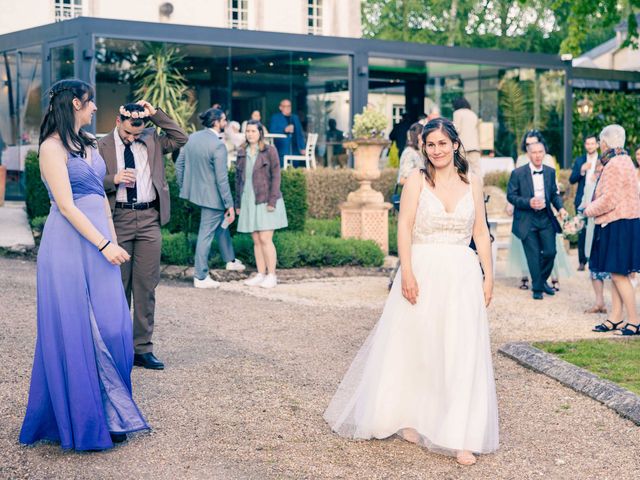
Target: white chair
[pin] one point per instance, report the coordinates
(309, 156)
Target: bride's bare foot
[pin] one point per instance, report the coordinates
(465, 457)
(410, 435)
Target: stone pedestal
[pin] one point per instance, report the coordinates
(365, 214)
(367, 221)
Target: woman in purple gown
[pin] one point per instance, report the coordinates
(80, 394)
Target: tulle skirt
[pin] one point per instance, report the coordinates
(517, 261)
(426, 367)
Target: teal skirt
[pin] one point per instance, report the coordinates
(256, 218)
(517, 261)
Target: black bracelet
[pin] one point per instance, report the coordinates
(105, 245)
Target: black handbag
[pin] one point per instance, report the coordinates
(395, 198)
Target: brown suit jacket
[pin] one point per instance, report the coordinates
(157, 145)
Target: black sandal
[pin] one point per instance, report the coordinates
(626, 331)
(602, 328)
(524, 285)
(554, 285)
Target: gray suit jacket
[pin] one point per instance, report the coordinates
(201, 171)
(157, 146)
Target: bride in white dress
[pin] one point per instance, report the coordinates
(425, 371)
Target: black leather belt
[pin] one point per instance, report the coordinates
(137, 206)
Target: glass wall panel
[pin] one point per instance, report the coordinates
(508, 101)
(20, 112)
(62, 63)
(240, 79)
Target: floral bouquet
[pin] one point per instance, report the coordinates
(573, 225)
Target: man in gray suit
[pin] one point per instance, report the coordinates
(138, 194)
(201, 172)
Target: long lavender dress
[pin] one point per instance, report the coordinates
(81, 379)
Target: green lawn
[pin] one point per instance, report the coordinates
(615, 360)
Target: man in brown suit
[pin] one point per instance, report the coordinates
(138, 193)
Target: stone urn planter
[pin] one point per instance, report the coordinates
(366, 155)
(365, 214)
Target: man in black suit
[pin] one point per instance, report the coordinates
(532, 191)
(584, 166)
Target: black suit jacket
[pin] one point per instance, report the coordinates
(579, 179)
(520, 192)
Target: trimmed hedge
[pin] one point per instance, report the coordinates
(331, 228)
(327, 188)
(38, 203)
(294, 249)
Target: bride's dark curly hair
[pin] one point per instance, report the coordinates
(459, 161)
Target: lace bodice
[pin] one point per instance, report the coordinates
(434, 225)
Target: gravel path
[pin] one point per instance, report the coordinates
(248, 378)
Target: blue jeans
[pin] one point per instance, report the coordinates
(210, 220)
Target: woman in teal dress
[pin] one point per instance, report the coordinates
(259, 202)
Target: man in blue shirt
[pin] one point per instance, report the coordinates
(289, 124)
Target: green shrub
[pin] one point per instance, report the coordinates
(609, 107)
(327, 188)
(37, 223)
(393, 234)
(294, 193)
(328, 227)
(295, 249)
(177, 248)
(38, 203)
(185, 216)
(394, 156)
(498, 179)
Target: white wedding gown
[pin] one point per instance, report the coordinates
(427, 367)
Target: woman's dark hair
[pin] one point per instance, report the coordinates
(211, 116)
(459, 161)
(461, 102)
(60, 115)
(413, 135)
(261, 143)
(133, 107)
(533, 134)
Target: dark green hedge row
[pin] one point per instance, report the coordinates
(38, 204)
(294, 250)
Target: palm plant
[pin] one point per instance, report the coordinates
(160, 82)
(514, 107)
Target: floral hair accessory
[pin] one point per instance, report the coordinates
(135, 114)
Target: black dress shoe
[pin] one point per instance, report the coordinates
(537, 295)
(548, 289)
(147, 360)
(118, 437)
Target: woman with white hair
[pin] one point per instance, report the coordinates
(616, 239)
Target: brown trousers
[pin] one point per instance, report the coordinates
(138, 233)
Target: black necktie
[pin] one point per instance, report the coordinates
(537, 173)
(129, 162)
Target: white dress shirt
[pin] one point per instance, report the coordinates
(538, 181)
(593, 159)
(145, 189)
